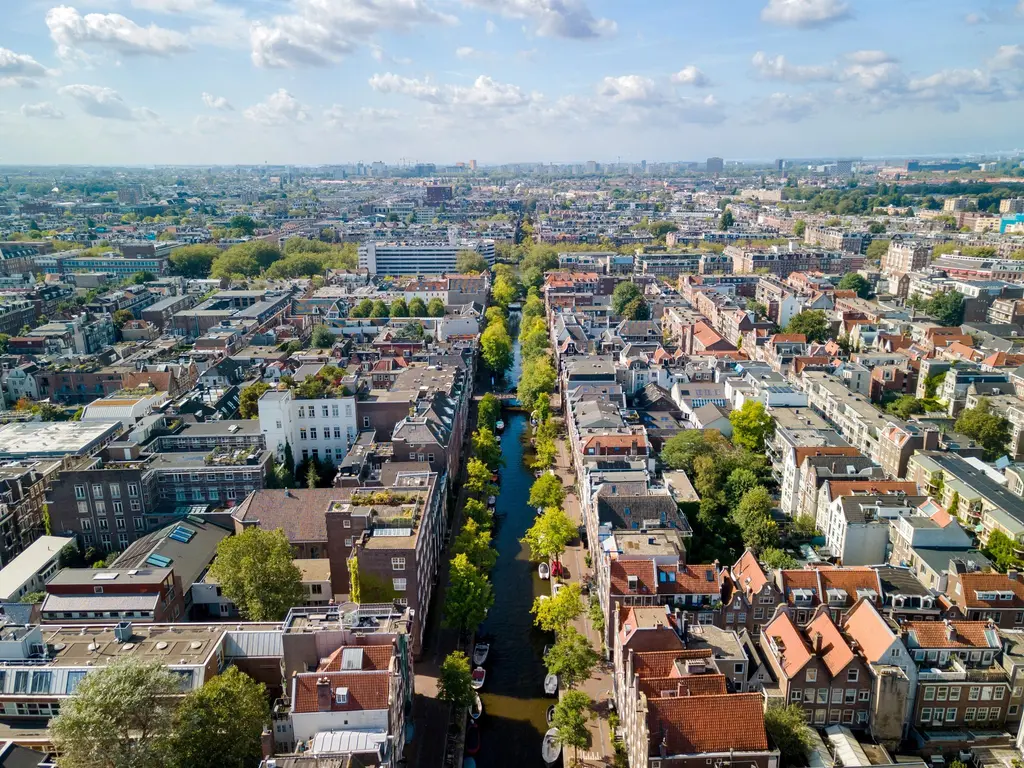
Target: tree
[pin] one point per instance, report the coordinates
(751, 425)
(777, 558)
(547, 491)
(787, 727)
(876, 227)
(487, 448)
(947, 308)
(739, 481)
(435, 308)
(637, 309)
(363, 309)
(726, 220)
(478, 512)
(799, 227)
(538, 377)
(756, 502)
(905, 406)
(245, 223)
(141, 278)
(550, 534)
(399, 308)
(31, 598)
(120, 716)
(321, 338)
(853, 281)
(234, 264)
(571, 658)
(122, 317)
(478, 478)
(474, 542)
(504, 292)
(496, 348)
(991, 430)
(488, 411)
(380, 309)
(4, 339)
(1000, 550)
(468, 597)
(812, 323)
(535, 342)
(554, 614)
(248, 401)
(455, 681)
(221, 723)
(571, 721)
(194, 261)
(624, 293)
(312, 475)
(470, 262)
(417, 307)
(255, 571)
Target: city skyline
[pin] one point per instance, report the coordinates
(309, 82)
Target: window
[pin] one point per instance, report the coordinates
(79, 491)
(74, 678)
(741, 617)
(229, 493)
(104, 526)
(324, 411)
(812, 675)
(348, 409)
(430, 458)
(954, 693)
(316, 589)
(926, 714)
(83, 507)
(86, 524)
(974, 693)
(133, 489)
(279, 425)
(21, 681)
(398, 585)
(302, 411)
(312, 433)
(366, 422)
(942, 694)
(999, 693)
(848, 716)
(41, 682)
(136, 506)
(852, 675)
(139, 525)
(730, 617)
(969, 714)
(929, 693)
(97, 491)
(118, 508)
(758, 614)
(334, 411)
(862, 716)
(337, 433)
(809, 695)
(119, 523)
(302, 434)
(1012, 711)
(397, 563)
(197, 494)
(837, 695)
(348, 542)
(1017, 691)
(822, 696)
(864, 695)
(851, 696)
(795, 696)
(950, 714)
(105, 539)
(346, 524)
(819, 717)
(101, 507)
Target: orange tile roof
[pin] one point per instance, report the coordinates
(683, 685)
(616, 441)
(872, 633)
(800, 579)
(803, 452)
(969, 634)
(748, 574)
(689, 725)
(697, 580)
(788, 337)
(793, 651)
(642, 569)
(375, 657)
(849, 580)
(972, 583)
(662, 663)
(835, 653)
(366, 691)
(839, 488)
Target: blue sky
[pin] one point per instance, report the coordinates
(322, 81)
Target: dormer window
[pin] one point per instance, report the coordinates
(341, 695)
(631, 583)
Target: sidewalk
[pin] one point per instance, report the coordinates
(599, 686)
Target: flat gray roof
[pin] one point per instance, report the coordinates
(62, 438)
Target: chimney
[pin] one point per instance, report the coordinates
(267, 743)
(950, 631)
(817, 643)
(323, 694)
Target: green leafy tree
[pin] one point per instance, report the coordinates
(777, 558)
(549, 535)
(905, 406)
(1000, 550)
(812, 323)
(121, 715)
(496, 348)
(245, 223)
(787, 727)
(538, 377)
(726, 220)
(248, 401)
(852, 281)
(417, 307)
(220, 724)
(535, 341)
(455, 681)
(363, 309)
(489, 411)
(122, 317)
(991, 430)
(799, 227)
(877, 249)
(470, 262)
(751, 425)
(435, 308)
(474, 542)
(624, 293)
(256, 572)
(739, 481)
(322, 338)
(571, 721)
(31, 598)
(468, 597)
(504, 292)
(380, 310)
(478, 478)
(572, 658)
(555, 613)
(637, 309)
(547, 491)
(487, 448)
(947, 308)
(194, 261)
(312, 476)
(478, 512)
(805, 525)
(234, 264)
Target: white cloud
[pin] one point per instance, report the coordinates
(804, 14)
(424, 90)
(213, 124)
(217, 102)
(490, 27)
(707, 110)
(784, 107)
(630, 89)
(552, 18)
(100, 101)
(279, 108)
(71, 31)
(869, 57)
(946, 86)
(43, 109)
(173, 6)
(1006, 57)
(485, 94)
(690, 75)
(20, 70)
(489, 93)
(466, 52)
(366, 118)
(321, 32)
(778, 68)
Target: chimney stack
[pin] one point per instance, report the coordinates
(267, 743)
(817, 643)
(323, 694)
(950, 631)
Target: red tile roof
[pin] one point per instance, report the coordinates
(972, 583)
(683, 685)
(968, 634)
(872, 633)
(366, 691)
(793, 653)
(655, 664)
(689, 725)
(748, 574)
(839, 488)
(835, 652)
(375, 657)
(621, 570)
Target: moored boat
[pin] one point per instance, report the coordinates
(480, 651)
(550, 715)
(544, 571)
(479, 675)
(477, 708)
(499, 426)
(551, 747)
(550, 684)
(473, 738)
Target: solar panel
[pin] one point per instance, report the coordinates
(182, 533)
(160, 561)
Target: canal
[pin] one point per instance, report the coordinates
(513, 723)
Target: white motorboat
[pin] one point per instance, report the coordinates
(550, 684)
(551, 748)
(499, 426)
(480, 651)
(544, 571)
(479, 675)
(477, 708)
(492, 500)
(550, 715)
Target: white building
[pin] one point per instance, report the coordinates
(30, 570)
(435, 257)
(325, 428)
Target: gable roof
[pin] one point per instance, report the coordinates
(689, 725)
(683, 685)
(973, 583)
(835, 652)
(873, 635)
(966, 634)
(662, 663)
(792, 652)
(366, 691)
(748, 574)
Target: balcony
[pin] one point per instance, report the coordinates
(956, 671)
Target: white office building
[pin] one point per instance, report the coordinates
(435, 257)
(325, 427)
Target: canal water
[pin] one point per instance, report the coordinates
(513, 723)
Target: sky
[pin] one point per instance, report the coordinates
(122, 82)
